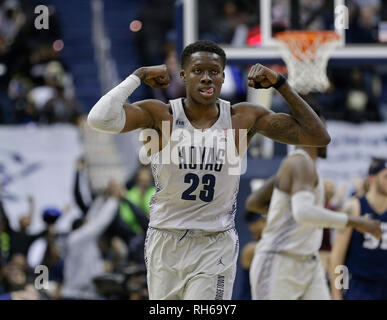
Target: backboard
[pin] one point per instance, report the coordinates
(296, 15)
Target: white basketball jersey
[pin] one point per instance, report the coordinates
(284, 234)
(198, 188)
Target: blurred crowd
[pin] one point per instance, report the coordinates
(101, 257)
(35, 85)
(356, 92)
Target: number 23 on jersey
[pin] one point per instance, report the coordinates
(207, 188)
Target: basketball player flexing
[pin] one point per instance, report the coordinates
(191, 246)
(286, 264)
(364, 255)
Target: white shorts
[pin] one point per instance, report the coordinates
(191, 264)
(281, 276)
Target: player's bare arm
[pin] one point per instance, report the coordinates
(304, 178)
(362, 223)
(340, 246)
(247, 254)
(111, 114)
(343, 238)
(259, 200)
(303, 127)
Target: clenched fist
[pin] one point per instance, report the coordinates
(155, 77)
(366, 225)
(263, 77)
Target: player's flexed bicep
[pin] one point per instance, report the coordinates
(110, 115)
(144, 114)
(303, 127)
(280, 127)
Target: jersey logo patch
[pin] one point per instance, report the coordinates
(220, 261)
(180, 123)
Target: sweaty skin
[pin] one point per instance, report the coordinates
(203, 77)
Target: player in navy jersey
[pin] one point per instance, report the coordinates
(364, 255)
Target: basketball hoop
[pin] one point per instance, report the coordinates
(306, 54)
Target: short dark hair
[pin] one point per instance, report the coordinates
(202, 46)
(377, 165)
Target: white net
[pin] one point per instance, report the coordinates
(306, 59)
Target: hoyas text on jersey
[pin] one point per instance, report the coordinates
(203, 158)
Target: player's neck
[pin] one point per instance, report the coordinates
(312, 151)
(376, 200)
(195, 110)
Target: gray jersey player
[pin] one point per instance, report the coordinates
(191, 246)
(286, 264)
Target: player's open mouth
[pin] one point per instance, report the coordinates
(207, 92)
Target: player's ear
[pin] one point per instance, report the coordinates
(223, 76)
(182, 75)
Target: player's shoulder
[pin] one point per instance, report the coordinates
(298, 167)
(154, 106)
(352, 206)
(298, 161)
(247, 109)
(152, 103)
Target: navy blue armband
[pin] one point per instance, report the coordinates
(280, 81)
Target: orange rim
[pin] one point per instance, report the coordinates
(304, 40)
(307, 35)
